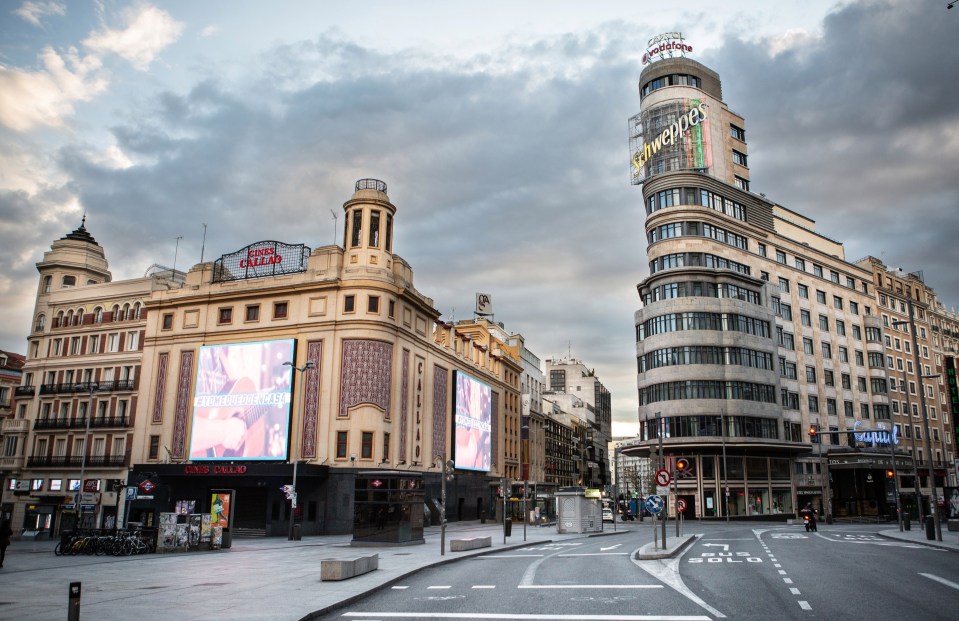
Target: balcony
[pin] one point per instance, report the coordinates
(86, 387)
(97, 422)
(95, 461)
(24, 391)
(14, 425)
(11, 463)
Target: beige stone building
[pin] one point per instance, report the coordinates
(275, 364)
(753, 327)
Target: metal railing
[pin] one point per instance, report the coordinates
(98, 422)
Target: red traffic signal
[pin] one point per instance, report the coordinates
(890, 474)
(683, 466)
(813, 430)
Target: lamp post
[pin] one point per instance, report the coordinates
(83, 458)
(912, 440)
(295, 453)
(722, 424)
(934, 502)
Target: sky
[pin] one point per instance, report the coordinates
(256, 119)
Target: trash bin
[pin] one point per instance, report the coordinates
(296, 532)
(508, 526)
(906, 523)
(930, 528)
(483, 517)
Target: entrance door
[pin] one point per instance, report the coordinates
(250, 508)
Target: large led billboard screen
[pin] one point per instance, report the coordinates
(472, 423)
(241, 405)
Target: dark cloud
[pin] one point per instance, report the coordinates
(510, 169)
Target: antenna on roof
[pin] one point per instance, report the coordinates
(333, 213)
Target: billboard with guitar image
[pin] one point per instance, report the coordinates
(241, 405)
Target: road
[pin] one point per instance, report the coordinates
(737, 572)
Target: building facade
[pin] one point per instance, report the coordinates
(275, 364)
(754, 327)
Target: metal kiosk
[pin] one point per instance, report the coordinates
(388, 509)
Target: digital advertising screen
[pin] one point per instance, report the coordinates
(241, 405)
(472, 423)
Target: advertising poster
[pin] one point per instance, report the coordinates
(472, 424)
(951, 495)
(220, 514)
(241, 405)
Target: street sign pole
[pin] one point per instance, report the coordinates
(662, 463)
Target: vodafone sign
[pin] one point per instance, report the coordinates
(664, 46)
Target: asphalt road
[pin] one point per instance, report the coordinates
(739, 571)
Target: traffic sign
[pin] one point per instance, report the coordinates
(662, 477)
(131, 493)
(681, 505)
(146, 486)
(654, 504)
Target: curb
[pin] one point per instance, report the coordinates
(641, 555)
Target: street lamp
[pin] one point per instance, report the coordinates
(295, 453)
(83, 459)
(912, 440)
(934, 502)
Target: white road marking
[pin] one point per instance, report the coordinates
(400, 588)
(512, 616)
(440, 587)
(782, 572)
(804, 605)
(788, 580)
(777, 565)
(484, 586)
(794, 590)
(667, 572)
(941, 580)
(510, 556)
(590, 586)
(597, 554)
(610, 547)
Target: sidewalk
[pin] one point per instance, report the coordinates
(258, 578)
(950, 540)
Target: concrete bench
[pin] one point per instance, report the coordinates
(344, 568)
(461, 545)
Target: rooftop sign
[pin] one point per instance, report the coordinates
(666, 45)
(265, 258)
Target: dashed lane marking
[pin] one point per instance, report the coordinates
(804, 605)
(590, 586)
(522, 617)
(941, 580)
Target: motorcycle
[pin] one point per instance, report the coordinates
(810, 523)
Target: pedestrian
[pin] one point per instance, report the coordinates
(5, 533)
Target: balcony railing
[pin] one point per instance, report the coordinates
(94, 461)
(24, 391)
(85, 387)
(97, 422)
(14, 425)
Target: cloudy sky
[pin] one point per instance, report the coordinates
(257, 118)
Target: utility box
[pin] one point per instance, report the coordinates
(575, 513)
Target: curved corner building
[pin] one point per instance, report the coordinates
(752, 327)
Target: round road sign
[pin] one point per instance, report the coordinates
(654, 504)
(662, 477)
(681, 505)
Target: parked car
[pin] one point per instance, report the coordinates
(607, 515)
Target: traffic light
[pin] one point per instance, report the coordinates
(890, 474)
(682, 467)
(814, 433)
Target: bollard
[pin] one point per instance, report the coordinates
(73, 605)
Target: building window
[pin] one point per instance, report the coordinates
(817, 270)
(800, 264)
(739, 158)
(780, 257)
(373, 304)
(762, 250)
(826, 349)
(805, 318)
(840, 327)
(824, 323)
(741, 183)
(375, 229)
(804, 292)
(811, 375)
(341, 445)
(392, 309)
(280, 310)
(349, 304)
(226, 315)
(820, 296)
(854, 307)
(807, 346)
(167, 321)
(837, 302)
(846, 381)
(834, 276)
(813, 404)
(366, 445)
(253, 312)
(386, 446)
(784, 285)
(843, 354)
(68, 281)
(357, 216)
(738, 133)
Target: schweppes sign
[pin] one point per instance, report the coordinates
(675, 132)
